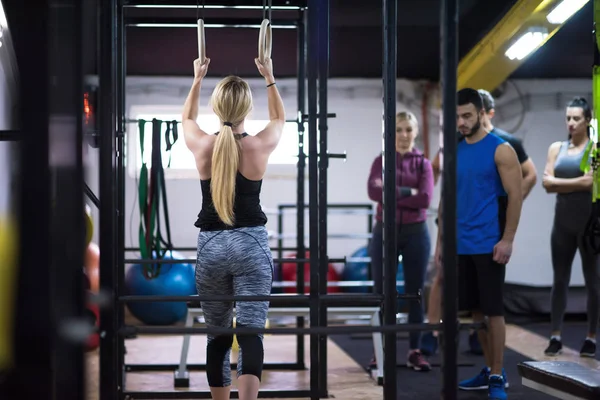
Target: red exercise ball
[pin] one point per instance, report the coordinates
(289, 273)
(93, 313)
(92, 266)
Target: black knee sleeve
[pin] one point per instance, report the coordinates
(216, 351)
(252, 355)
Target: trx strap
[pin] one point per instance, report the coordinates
(145, 248)
(151, 188)
(171, 137)
(591, 157)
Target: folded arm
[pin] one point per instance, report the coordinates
(422, 199)
(553, 184)
(375, 183)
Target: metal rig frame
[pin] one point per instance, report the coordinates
(313, 39)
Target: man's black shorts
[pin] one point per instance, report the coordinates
(481, 284)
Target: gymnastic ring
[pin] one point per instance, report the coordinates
(201, 42)
(264, 41)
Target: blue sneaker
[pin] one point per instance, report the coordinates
(481, 381)
(429, 344)
(496, 388)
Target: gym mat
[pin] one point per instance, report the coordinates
(572, 335)
(427, 385)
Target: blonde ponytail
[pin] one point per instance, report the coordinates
(232, 102)
(225, 162)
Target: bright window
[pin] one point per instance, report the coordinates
(181, 158)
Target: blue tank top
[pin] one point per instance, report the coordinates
(480, 196)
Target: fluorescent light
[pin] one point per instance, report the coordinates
(526, 44)
(565, 10)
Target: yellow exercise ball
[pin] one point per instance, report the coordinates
(89, 225)
(9, 242)
(235, 346)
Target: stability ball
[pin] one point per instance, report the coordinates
(92, 266)
(92, 313)
(160, 280)
(89, 225)
(400, 286)
(357, 271)
(289, 271)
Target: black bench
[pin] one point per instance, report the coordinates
(561, 379)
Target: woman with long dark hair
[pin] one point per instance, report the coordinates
(564, 177)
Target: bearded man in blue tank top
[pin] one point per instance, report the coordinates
(489, 199)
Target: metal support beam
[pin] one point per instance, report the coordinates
(145, 22)
(486, 66)
(107, 108)
(32, 347)
(449, 61)
(300, 183)
(323, 62)
(390, 258)
(313, 190)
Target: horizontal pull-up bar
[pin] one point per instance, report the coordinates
(305, 117)
(137, 249)
(276, 5)
(346, 300)
(208, 23)
(9, 136)
(160, 261)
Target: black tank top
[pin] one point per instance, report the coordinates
(246, 206)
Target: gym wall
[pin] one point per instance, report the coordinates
(532, 109)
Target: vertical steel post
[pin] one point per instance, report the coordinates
(65, 49)
(33, 347)
(313, 192)
(121, 112)
(323, 65)
(300, 194)
(390, 261)
(449, 61)
(107, 125)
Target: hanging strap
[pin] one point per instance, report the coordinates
(171, 137)
(143, 196)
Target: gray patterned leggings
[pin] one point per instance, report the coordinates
(234, 262)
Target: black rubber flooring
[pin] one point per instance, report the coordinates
(427, 385)
(573, 333)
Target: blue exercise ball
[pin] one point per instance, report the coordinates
(357, 271)
(400, 286)
(160, 280)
